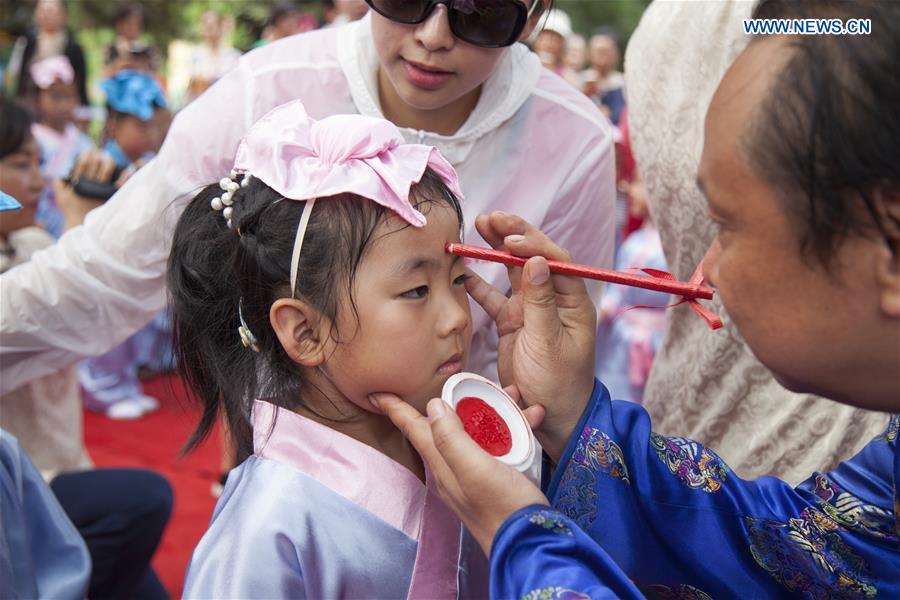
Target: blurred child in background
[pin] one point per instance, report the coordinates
(136, 107)
(55, 98)
(603, 82)
(632, 320)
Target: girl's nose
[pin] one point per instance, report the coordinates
(434, 33)
(454, 317)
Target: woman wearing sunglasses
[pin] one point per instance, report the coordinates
(449, 73)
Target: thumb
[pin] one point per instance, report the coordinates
(540, 311)
(458, 450)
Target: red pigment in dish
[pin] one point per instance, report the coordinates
(484, 425)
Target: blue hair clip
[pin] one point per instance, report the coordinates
(134, 93)
(7, 202)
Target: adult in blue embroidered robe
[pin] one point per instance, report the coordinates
(636, 513)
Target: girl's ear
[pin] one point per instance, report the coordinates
(298, 326)
(887, 270)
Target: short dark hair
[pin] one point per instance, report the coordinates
(126, 11)
(213, 269)
(15, 125)
(282, 10)
(609, 32)
(828, 134)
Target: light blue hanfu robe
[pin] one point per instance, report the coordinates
(314, 513)
(58, 154)
(42, 555)
(635, 513)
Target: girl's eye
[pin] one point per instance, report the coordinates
(461, 280)
(416, 293)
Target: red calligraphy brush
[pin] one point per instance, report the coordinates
(656, 280)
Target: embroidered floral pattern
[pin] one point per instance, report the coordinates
(807, 556)
(549, 519)
(695, 465)
(555, 593)
(677, 592)
(595, 453)
(891, 432)
(851, 512)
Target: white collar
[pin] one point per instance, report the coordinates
(505, 91)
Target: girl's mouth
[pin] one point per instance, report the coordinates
(452, 366)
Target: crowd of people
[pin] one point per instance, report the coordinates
(274, 233)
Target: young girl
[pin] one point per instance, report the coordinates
(310, 280)
(135, 104)
(521, 139)
(134, 107)
(61, 142)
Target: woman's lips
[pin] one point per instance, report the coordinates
(425, 77)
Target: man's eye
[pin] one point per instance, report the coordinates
(416, 293)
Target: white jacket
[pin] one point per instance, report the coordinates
(533, 146)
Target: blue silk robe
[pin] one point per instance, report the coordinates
(635, 513)
(316, 514)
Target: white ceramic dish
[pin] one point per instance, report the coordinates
(463, 385)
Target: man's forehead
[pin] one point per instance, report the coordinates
(747, 82)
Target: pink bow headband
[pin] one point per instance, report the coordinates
(304, 159)
(46, 72)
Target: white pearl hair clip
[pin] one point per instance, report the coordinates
(229, 186)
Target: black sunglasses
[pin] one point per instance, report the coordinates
(485, 23)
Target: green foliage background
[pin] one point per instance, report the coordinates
(167, 20)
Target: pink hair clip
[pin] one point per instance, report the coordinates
(304, 159)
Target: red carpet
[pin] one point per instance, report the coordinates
(154, 442)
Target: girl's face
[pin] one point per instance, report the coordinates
(56, 105)
(20, 177)
(414, 328)
(136, 137)
(550, 47)
(817, 331)
(427, 67)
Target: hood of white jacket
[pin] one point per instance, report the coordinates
(508, 87)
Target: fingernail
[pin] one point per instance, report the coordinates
(436, 409)
(538, 271)
(514, 239)
(499, 213)
(374, 400)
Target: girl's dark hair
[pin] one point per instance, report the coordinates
(15, 125)
(212, 269)
(829, 133)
